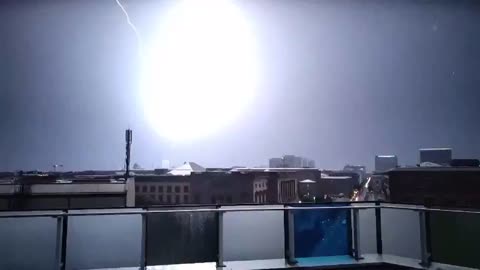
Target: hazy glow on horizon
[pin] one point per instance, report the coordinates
(200, 72)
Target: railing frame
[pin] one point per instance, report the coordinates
(62, 226)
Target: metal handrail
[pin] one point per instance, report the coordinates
(61, 217)
(426, 209)
(226, 210)
(141, 212)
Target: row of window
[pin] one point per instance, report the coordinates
(169, 198)
(154, 189)
(260, 198)
(261, 185)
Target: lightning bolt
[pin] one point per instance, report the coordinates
(133, 27)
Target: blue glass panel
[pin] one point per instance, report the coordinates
(322, 232)
(179, 238)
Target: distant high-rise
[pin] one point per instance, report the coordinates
(291, 161)
(311, 163)
(441, 156)
(384, 163)
(275, 163)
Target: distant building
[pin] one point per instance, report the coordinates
(260, 187)
(308, 163)
(281, 184)
(187, 168)
(455, 187)
(216, 187)
(162, 190)
(441, 156)
(291, 161)
(311, 164)
(335, 183)
(49, 192)
(384, 163)
(276, 163)
(358, 169)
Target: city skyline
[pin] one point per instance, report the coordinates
(340, 83)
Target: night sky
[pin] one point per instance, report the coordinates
(340, 82)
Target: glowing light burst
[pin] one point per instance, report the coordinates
(200, 73)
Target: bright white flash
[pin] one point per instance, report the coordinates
(200, 72)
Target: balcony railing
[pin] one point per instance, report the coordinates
(241, 237)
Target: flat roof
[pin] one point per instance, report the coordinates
(433, 149)
(430, 169)
(273, 169)
(335, 177)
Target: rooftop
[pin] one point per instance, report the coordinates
(435, 149)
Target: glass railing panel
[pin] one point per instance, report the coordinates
(401, 233)
(28, 243)
(180, 238)
(325, 232)
(253, 235)
(4, 203)
(106, 241)
(454, 238)
(368, 229)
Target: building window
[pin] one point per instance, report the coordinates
(144, 189)
(229, 198)
(160, 188)
(177, 198)
(213, 199)
(185, 198)
(152, 196)
(177, 189)
(169, 189)
(185, 189)
(137, 188)
(160, 198)
(152, 188)
(169, 199)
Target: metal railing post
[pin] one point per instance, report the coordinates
(378, 225)
(59, 243)
(220, 263)
(291, 238)
(143, 247)
(356, 235)
(424, 255)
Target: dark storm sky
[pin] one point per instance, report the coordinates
(341, 81)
